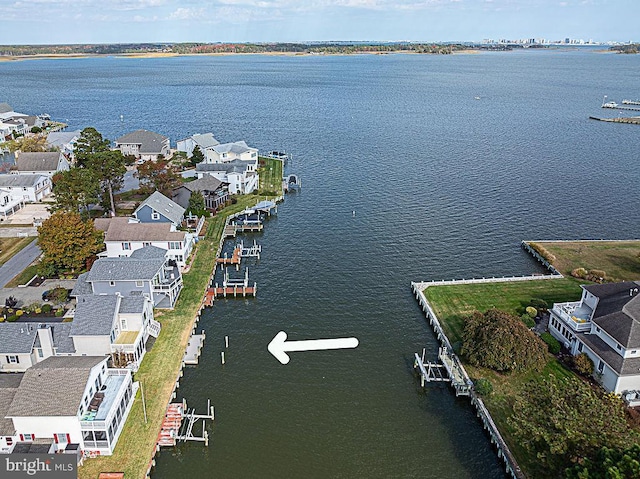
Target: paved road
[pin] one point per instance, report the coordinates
(18, 263)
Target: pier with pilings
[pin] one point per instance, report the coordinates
(178, 425)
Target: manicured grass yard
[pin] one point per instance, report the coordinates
(270, 175)
(453, 303)
(619, 259)
(161, 365)
(10, 246)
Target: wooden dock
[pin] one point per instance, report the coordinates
(194, 348)
(235, 257)
(230, 231)
(632, 120)
(237, 291)
(171, 425)
(248, 227)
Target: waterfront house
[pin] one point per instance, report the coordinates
(214, 191)
(8, 387)
(157, 208)
(77, 404)
(64, 141)
(26, 188)
(241, 176)
(113, 325)
(604, 324)
(46, 163)
(123, 236)
(24, 344)
(205, 142)
(143, 144)
(226, 152)
(146, 272)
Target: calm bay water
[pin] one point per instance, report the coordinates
(443, 185)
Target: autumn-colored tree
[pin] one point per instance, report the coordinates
(157, 176)
(75, 189)
(34, 143)
(502, 342)
(89, 143)
(67, 242)
(561, 421)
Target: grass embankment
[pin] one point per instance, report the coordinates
(161, 365)
(270, 172)
(620, 260)
(453, 303)
(10, 246)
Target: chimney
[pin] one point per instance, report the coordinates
(45, 333)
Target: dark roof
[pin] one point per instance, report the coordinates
(95, 315)
(142, 265)
(628, 366)
(132, 304)
(46, 161)
(81, 286)
(149, 141)
(20, 181)
(234, 166)
(119, 229)
(9, 383)
(10, 380)
(62, 341)
(17, 338)
(163, 205)
(618, 311)
(53, 387)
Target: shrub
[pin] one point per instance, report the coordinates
(13, 318)
(483, 387)
(579, 273)
(583, 364)
(598, 275)
(542, 251)
(1, 319)
(552, 343)
(528, 320)
(59, 295)
(38, 310)
(33, 307)
(19, 313)
(539, 304)
(531, 311)
(46, 308)
(59, 312)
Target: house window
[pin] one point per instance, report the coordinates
(9, 441)
(61, 438)
(139, 284)
(112, 283)
(123, 324)
(13, 360)
(146, 243)
(634, 351)
(175, 245)
(126, 246)
(597, 329)
(580, 347)
(618, 347)
(600, 366)
(155, 215)
(40, 353)
(27, 437)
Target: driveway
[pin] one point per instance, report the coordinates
(33, 294)
(18, 263)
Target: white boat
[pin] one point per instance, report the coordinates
(610, 104)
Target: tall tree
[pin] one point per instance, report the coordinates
(608, 464)
(35, 143)
(75, 190)
(196, 204)
(197, 156)
(89, 143)
(158, 175)
(67, 242)
(108, 167)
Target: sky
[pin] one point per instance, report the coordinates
(123, 21)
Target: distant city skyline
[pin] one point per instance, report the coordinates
(138, 21)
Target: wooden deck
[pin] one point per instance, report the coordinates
(233, 291)
(235, 257)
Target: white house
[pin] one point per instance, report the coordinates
(147, 272)
(64, 141)
(123, 236)
(24, 344)
(47, 163)
(75, 402)
(226, 152)
(26, 188)
(143, 144)
(241, 176)
(204, 141)
(604, 324)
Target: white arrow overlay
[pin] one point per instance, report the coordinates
(279, 346)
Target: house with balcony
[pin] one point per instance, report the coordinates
(123, 236)
(46, 163)
(146, 272)
(205, 142)
(144, 145)
(241, 176)
(76, 403)
(64, 141)
(113, 325)
(26, 188)
(226, 152)
(214, 192)
(605, 325)
(23, 345)
(157, 208)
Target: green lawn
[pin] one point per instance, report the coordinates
(10, 246)
(620, 260)
(161, 365)
(270, 175)
(453, 303)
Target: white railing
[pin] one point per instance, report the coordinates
(565, 310)
(154, 328)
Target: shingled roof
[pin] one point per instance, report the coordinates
(120, 229)
(17, 338)
(95, 315)
(163, 205)
(45, 161)
(20, 181)
(8, 387)
(142, 265)
(234, 166)
(150, 142)
(237, 147)
(206, 183)
(53, 387)
(618, 311)
(205, 140)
